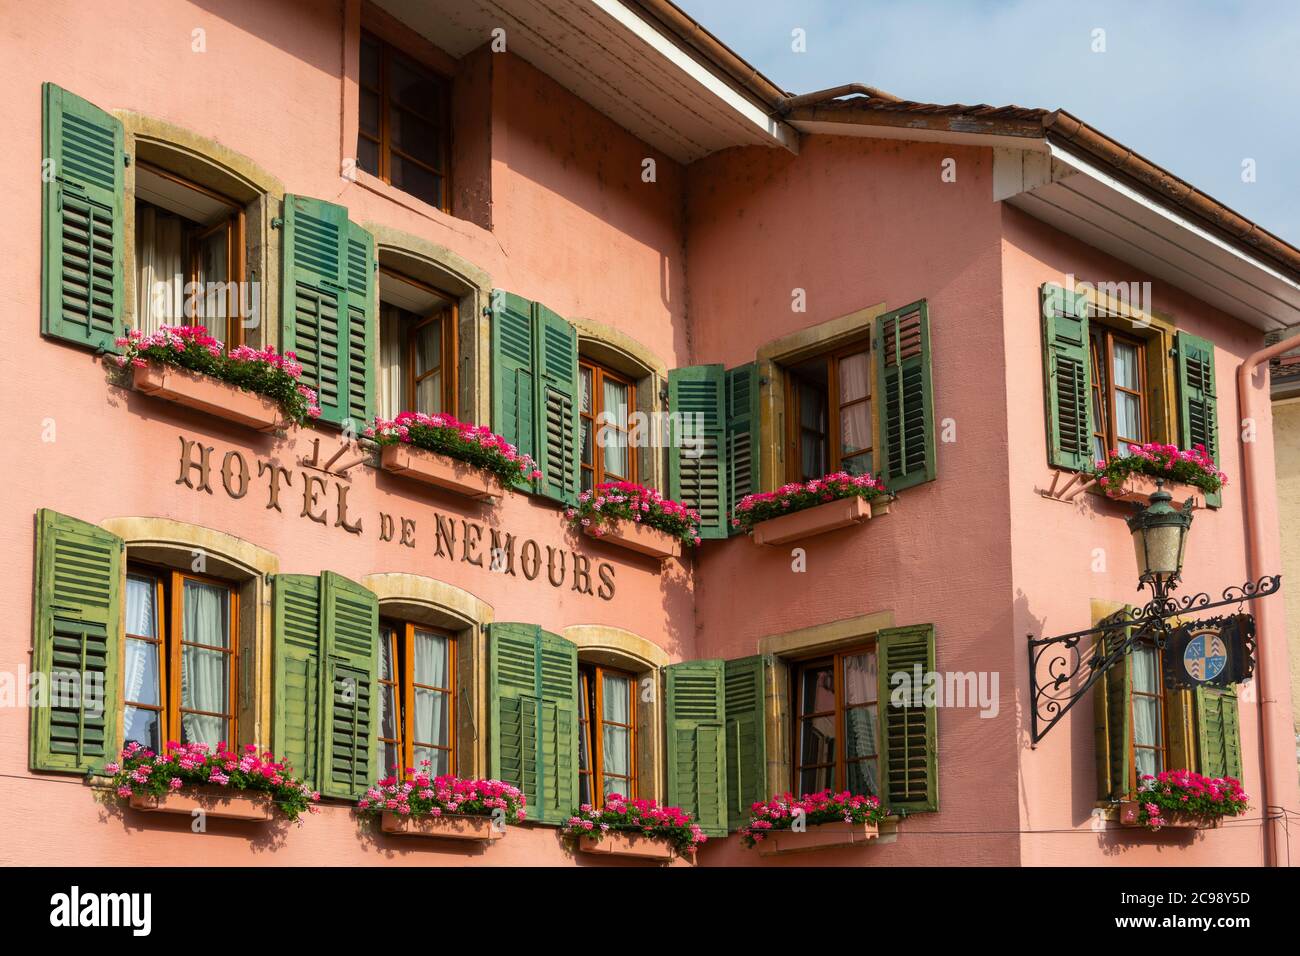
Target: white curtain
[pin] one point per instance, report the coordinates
(213, 274)
(204, 677)
(431, 706)
(140, 678)
(1128, 408)
(160, 276)
(428, 356)
(390, 392)
(617, 741)
(614, 408)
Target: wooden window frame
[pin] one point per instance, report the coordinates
(1101, 353)
(387, 52)
(597, 468)
(834, 439)
(591, 724)
(403, 633)
(169, 588)
(840, 764)
(388, 632)
(448, 313)
(1162, 746)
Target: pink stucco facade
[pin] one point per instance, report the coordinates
(696, 267)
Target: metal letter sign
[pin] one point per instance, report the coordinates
(1215, 652)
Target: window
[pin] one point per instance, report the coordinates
(606, 400)
(606, 734)
(404, 127)
(417, 347)
(417, 678)
(179, 675)
(1119, 392)
(1148, 715)
(835, 718)
(828, 414)
(189, 255)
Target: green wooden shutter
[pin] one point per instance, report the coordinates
(745, 699)
(697, 751)
(1067, 378)
(697, 459)
(909, 752)
(1218, 732)
(315, 298)
(1112, 721)
(513, 379)
(83, 227)
(296, 619)
(360, 337)
(350, 662)
(556, 402)
(1198, 410)
(533, 688)
(742, 436)
(906, 403)
(78, 612)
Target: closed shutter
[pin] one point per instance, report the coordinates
(78, 611)
(1067, 378)
(1112, 714)
(557, 735)
(745, 699)
(697, 458)
(512, 371)
(556, 402)
(350, 660)
(1218, 732)
(742, 436)
(82, 221)
(697, 759)
(296, 619)
(361, 268)
(909, 754)
(906, 402)
(1198, 409)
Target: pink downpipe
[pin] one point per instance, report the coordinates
(1276, 732)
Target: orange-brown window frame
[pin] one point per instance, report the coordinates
(596, 468)
(1101, 349)
(834, 438)
(841, 761)
(447, 313)
(1162, 746)
(403, 635)
(591, 723)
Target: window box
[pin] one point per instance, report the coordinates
(440, 471)
(222, 804)
(1129, 817)
(629, 844)
(821, 836)
(638, 537)
(209, 395)
(831, 516)
(451, 827)
(1138, 489)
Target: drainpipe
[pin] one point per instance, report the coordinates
(1277, 741)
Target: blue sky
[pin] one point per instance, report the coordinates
(1195, 86)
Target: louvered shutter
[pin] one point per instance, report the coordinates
(742, 436)
(1218, 732)
(82, 221)
(350, 661)
(697, 458)
(360, 334)
(745, 710)
(296, 619)
(1112, 711)
(697, 758)
(1067, 378)
(78, 610)
(512, 371)
(556, 402)
(1198, 409)
(906, 403)
(557, 735)
(909, 752)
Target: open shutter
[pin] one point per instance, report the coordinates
(697, 458)
(315, 299)
(512, 371)
(745, 698)
(1218, 732)
(78, 611)
(360, 336)
(557, 736)
(556, 402)
(82, 221)
(1198, 409)
(296, 614)
(350, 661)
(1180, 728)
(909, 752)
(742, 436)
(1067, 377)
(906, 402)
(697, 759)
(1113, 730)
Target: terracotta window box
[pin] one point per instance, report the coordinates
(629, 844)
(831, 516)
(419, 464)
(820, 836)
(640, 538)
(221, 804)
(442, 828)
(1138, 489)
(208, 395)
(1129, 816)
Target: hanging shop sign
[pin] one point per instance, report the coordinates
(1213, 652)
